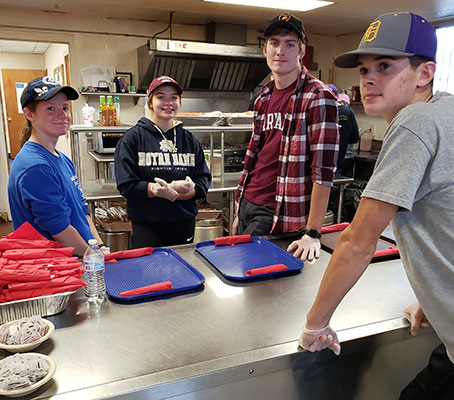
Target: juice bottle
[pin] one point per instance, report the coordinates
(110, 111)
(102, 103)
(117, 110)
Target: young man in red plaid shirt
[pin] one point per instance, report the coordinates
(291, 158)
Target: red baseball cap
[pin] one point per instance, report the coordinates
(164, 80)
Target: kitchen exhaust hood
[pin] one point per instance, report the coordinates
(202, 66)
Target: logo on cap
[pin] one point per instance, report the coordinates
(284, 17)
(372, 31)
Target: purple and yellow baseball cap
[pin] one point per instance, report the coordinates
(400, 34)
(44, 88)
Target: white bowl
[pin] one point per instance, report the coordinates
(30, 389)
(22, 348)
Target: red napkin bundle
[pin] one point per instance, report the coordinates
(9, 244)
(156, 287)
(334, 228)
(26, 231)
(231, 240)
(23, 254)
(27, 294)
(266, 270)
(33, 266)
(386, 252)
(133, 253)
(53, 283)
(48, 260)
(14, 275)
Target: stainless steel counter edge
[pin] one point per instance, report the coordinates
(125, 386)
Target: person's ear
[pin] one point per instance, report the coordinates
(426, 73)
(28, 114)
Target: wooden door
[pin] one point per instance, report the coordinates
(15, 119)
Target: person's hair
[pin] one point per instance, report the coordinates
(416, 61)
(27, 129)
(283, 32)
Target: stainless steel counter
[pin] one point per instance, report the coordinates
(164, 343)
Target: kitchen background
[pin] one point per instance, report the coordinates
(65, 37)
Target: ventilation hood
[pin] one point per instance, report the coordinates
(202, 66)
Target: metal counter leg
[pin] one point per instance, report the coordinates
(341, 202)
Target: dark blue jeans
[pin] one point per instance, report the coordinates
(254, 219)
(435, 382)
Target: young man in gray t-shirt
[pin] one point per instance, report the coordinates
(412, 185)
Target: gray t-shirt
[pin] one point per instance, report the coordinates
(414, 171)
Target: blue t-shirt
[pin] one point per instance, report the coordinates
(43, 189)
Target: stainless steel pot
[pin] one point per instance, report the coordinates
(208, 229)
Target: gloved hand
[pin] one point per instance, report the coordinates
(316, 340)
(105, 249)
(306, 247)
(416, 317)
(183, 186)
(162, 189)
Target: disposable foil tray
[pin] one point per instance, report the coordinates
(43, 306)
(209, 120)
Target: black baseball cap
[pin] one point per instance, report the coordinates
(44, 88)
(399, 34)
(286, 21)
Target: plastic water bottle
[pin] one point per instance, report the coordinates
(93, 259)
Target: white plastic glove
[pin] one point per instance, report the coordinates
(416, 317)
(183, 186)
(105, 249)
(306, 247)
(162, 189)
(316, 340)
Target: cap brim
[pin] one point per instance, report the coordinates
(70, 92)
(350, 59)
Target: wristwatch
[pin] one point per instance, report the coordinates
(313, 233)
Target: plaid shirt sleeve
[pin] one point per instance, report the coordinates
(323, 136)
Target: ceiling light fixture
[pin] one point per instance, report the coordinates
(290, 5)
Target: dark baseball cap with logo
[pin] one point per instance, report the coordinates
(400, 34)
(44, 88)
(164, 80)
(286, 21)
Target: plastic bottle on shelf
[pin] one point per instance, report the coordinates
(104, 112)
(102, 102)
(117, 110)
(365, 142)
(147, 111)
(93, 259)
(110, 111)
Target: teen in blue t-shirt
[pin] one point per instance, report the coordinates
(43, 188)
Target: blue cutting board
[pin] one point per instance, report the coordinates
(163, 265)
(234, 261)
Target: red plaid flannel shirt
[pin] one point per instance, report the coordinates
(308, 150)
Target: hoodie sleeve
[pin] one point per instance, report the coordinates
(202, 176)
(126, 157)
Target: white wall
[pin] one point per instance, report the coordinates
(53, 58)
(21, 61)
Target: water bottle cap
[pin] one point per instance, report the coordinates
(92, 242)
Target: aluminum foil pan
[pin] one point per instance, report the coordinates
(43, 306)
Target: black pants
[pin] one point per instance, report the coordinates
(254, 219)
(162, 234)
(434, 382)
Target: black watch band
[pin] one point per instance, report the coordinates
(313, 233)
